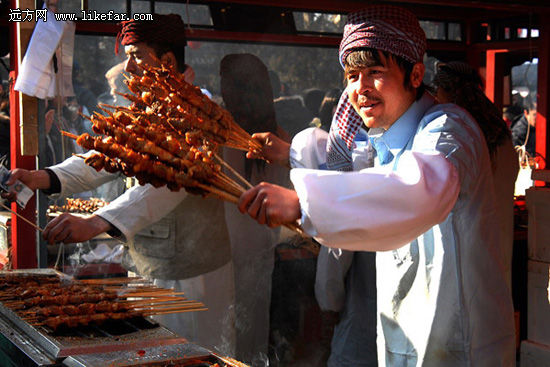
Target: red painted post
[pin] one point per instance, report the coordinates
(494, 81)
(543, 98)
(23, 235)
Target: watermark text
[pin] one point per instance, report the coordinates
(31, 15)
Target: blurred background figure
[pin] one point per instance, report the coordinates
(328, 107)
(457, 82)
(276, 86)
(53, 151)
(312, 100)
(72, 112)
(4, 103)
(511, 114)
(290, 112)
(4, 124)
(523, 131)
(292, 115)
(115, 80)
(83, 94)
(66, 114)
(247, 93)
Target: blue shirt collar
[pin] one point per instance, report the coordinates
(399, 134)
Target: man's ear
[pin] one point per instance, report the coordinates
(169, 59)
(417, 74)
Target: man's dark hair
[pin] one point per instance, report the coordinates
(369, 57)
(167, 33)
(530, 105)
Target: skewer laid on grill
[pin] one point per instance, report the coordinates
(53, 303)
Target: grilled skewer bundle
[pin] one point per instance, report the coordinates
(168, 96)
(136, 158)
(167, 137)
(48, 302)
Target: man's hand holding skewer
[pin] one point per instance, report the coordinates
(274, 149)
(271, 204)
(68, 228)
(65, 228)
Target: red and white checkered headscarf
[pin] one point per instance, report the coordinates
(381, 27)
(163, 29)
(386, 28)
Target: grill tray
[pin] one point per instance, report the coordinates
(127, 335)
(150, 357)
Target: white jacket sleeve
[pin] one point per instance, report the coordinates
(76, 176)
(140, 206)
(308, 149)
(366, 207)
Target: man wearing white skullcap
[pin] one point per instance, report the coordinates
(418, 192)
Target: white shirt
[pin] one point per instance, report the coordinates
(430, 213)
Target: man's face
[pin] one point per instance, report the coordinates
(378, 93)
(531, 116)
(138, 54)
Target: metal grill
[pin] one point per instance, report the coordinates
(137, 341)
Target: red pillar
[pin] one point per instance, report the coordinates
(23, 235)
(543, 96)
(494, 81)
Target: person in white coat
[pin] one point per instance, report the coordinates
(177, 239)
(427, 207)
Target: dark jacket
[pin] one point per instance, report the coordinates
(519, 135)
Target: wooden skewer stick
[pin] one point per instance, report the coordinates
(222, 194)
(174, 307)
(105, 105)
(121, 288)
(179, 311)
(162, 302)
(126, 286)
(296, 228)
(232, 170)
(235, 146)
(155, 300)
(151, 294)
(68, 134)
(227, 183)
(132, 290)
(21, 217)
(168, 304)
(114, 280)
(230, 361)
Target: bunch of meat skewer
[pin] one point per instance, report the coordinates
(169, 136)
(167, 95)
(47, 301)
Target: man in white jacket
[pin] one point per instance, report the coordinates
(426, 207)
(179, 240)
